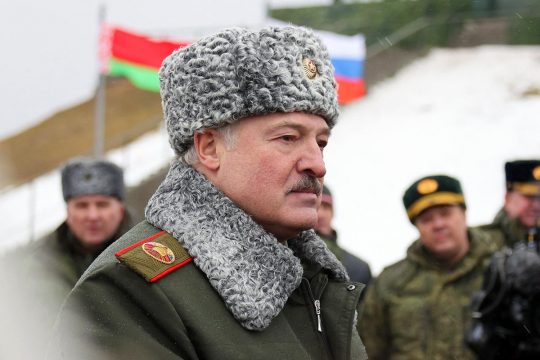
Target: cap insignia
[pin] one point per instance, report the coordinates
(427, 186)
(88, 176)
(310, 69)
(159, 252)
(536, 172)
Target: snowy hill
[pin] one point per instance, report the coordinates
(460, 112)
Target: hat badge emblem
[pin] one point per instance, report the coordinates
(310, 69)
(159, 252)
(536, 172)
(427, 186)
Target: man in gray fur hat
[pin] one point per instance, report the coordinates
(226, 265)
(39, 275)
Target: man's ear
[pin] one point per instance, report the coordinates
(206, 146)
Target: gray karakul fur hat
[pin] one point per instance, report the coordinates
(87, 176)
(236, 73)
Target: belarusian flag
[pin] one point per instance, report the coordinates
(136, 57)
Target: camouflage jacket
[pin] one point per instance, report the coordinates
(509, 230)
(419, 309)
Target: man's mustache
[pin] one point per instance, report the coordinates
(307, 184)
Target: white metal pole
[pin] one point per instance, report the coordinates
(32, 203)
(99, 123)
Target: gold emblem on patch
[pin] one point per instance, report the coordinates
(159, 252)
(310, 69)
(427, 186)
(536, 172)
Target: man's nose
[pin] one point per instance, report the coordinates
(92, 212)
(312, 160)
(438, 221)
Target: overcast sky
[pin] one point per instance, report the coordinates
(49, 47)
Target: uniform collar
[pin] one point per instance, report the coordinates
(252, 272)
(479, 247)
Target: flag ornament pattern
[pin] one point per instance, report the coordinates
(139, 57)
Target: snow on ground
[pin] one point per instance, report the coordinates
(460, 112)
(35, 209)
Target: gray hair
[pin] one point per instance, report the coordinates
(229, 136)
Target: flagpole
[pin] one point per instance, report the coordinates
(99, 119)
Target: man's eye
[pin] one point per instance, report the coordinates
(322, 144)
(287, 138)
(103, 204)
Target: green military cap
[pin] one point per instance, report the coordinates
(431, 191)
(523, 176)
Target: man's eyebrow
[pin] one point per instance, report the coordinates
(297, 126)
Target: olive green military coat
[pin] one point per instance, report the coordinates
(123, 309)
(37, 277)
(357, 268)
(509, 230)
(419, 309)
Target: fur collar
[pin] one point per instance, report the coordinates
(252, 272)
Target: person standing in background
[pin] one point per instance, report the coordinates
(39, 275)
(417, 308)
(357, 268)
(518, 220)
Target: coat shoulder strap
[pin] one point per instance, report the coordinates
(155, 256)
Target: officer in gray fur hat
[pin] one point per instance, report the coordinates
(226, 264)
(43, 272)
(94, 192)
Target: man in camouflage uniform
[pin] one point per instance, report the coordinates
(39, 275)
(417, 308)
(226, 264)
(505, 312)
(518, 219)
(357, 268)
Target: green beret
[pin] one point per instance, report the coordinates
(523, 176)
(431, 191)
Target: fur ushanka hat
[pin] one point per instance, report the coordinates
(236, 73)
(86, 176)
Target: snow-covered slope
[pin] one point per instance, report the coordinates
(460, 112)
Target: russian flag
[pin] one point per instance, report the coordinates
(347, 54)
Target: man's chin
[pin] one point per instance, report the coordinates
(92, 241)
(303, 225)
(306, 217)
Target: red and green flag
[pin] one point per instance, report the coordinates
(136, 57)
